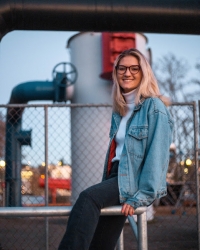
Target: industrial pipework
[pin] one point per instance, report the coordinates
(58, 91)
(172, 16)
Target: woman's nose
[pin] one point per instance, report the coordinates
(127, 73)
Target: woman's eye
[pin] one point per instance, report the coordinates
(134, 68)
(121, 68)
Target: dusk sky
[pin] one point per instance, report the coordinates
(31, 55)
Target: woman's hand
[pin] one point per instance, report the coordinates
(127, 210)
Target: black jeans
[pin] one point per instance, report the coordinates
(86, 229)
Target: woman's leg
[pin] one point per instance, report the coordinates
(107, 232)
(85, 214)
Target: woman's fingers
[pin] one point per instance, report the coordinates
(127, 210)
(123, 209)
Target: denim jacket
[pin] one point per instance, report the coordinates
(145, 156)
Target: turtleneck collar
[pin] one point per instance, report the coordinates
(130, 96)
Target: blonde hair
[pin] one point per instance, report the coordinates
(147, 88)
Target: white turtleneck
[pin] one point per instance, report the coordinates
(120, 136)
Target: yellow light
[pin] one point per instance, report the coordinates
(60, 163)
(43, 164)
(42, 176)
(188, 162)
(2, 163)
(186, 170)
(26, 174)
(182, 163)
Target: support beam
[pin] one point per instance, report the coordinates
(158, 16)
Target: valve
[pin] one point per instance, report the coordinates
(64, 75)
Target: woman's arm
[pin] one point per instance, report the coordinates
(156, 160)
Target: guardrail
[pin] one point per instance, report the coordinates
(139, 229)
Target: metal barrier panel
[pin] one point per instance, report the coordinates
(63, 147)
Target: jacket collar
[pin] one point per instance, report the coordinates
(137, 107)
(118, 117)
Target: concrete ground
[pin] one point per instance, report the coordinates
(167, 231)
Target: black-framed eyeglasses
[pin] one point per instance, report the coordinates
(134, 69)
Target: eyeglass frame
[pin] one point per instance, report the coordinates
(139, 68)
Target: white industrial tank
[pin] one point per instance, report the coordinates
(90, 126)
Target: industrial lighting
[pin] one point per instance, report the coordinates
(26, 174)
(2, 163)
(186, 170)
(60, 163)
(188, 162)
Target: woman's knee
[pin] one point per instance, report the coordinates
(90, 195)
(85, 194)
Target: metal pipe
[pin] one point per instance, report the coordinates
(72, 105)
(75, 105)
(196, 146)
(46, 175)
(36, 90)
(16, 137)
(142, 231)
(56, 211)
(13, 156)
(172, 16)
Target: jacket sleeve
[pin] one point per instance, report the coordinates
(152, 181)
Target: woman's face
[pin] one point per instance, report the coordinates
(129, 78)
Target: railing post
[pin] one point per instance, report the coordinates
(142, 231)
(46, 176)
(120, 242)
(196, 146)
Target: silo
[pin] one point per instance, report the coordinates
(93, 55)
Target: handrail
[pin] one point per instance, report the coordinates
(141, 233)
(56, 211)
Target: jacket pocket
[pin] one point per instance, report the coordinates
(137, 139)
(139, 132)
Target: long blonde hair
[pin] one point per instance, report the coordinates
(147, 88)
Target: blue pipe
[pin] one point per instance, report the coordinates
(30, 91)
(16, 137)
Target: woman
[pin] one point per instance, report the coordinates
(136, 161)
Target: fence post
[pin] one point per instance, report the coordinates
(196, 146)
(46, 176)
(142, 231)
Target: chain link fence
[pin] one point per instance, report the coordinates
(63, 147)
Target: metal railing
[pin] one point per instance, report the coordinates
(140, 230)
